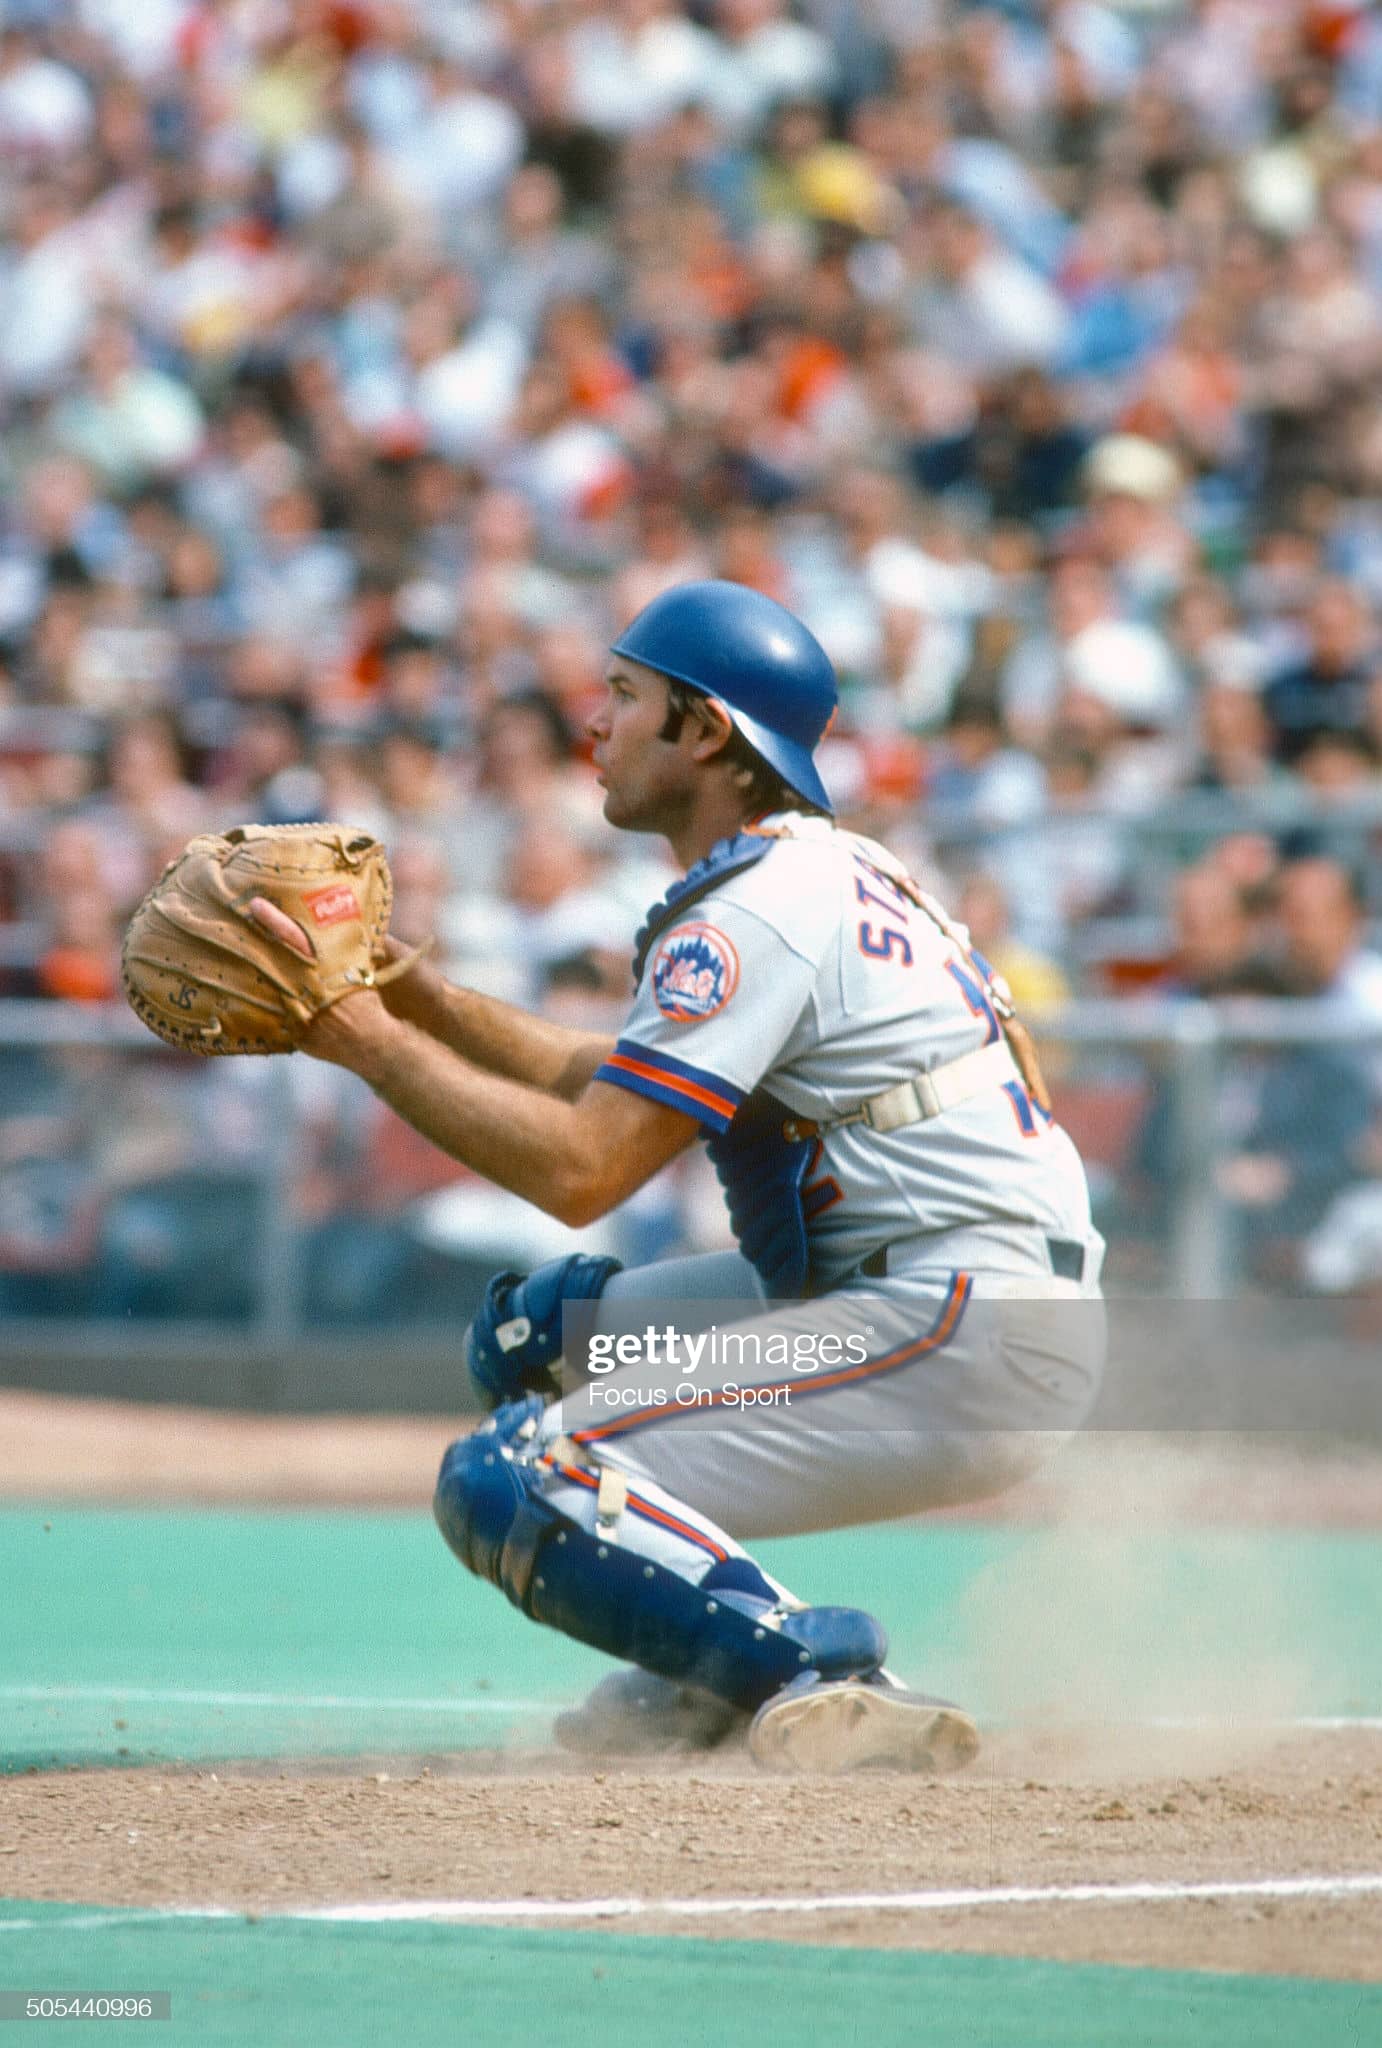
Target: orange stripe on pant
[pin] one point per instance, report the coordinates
(960, 1289)
(642, 1507)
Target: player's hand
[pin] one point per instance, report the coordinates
(279, 925)
(357, 1031)
(417, 995)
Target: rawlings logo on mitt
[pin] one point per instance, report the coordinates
(206, 976)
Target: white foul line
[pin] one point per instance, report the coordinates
(486, 1704)
(317, 1702)
(976, 1898)
(1315, 1724)
(964, 1899)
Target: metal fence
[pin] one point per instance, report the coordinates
(69, 1318)
(1154, 845)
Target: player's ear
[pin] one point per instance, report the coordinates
(714, 729)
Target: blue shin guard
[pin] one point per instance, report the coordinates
(725, 1635)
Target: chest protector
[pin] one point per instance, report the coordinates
(727, 857)
(762, 1173)
(759, 1169)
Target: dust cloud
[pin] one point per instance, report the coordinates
(1140, 1626)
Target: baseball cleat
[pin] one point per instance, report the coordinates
(825, 1725)
(634, 1713)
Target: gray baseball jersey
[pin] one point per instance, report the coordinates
(812, 975)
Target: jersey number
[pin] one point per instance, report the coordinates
(1029, 1113)
(885, 945)
(819, 1191)
(976, 999)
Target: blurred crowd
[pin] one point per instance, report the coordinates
(366, 364)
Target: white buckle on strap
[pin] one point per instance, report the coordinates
(910, 1102)
(610, 1499)
(612, 1488)
(924, 1096)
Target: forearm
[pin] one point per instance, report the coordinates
(498, 1037)
(499, 1126)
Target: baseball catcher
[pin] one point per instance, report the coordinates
(906, 1210)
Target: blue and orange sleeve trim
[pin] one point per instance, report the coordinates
(712, 1101)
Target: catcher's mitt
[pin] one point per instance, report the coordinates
(205, 975)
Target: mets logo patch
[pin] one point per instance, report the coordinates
(695, 972)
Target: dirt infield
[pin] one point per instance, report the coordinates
(489, 1829)
(1047, 1808)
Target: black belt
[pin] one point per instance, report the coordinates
(1067, 1256)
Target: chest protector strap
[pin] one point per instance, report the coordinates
(727, 857)
(760, 1170)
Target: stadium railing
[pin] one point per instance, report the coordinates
(78, 1309)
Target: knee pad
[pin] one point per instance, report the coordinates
(513, 1343)
(488, 1500)
(724, 1636)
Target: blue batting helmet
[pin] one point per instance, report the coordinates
(772, 676)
